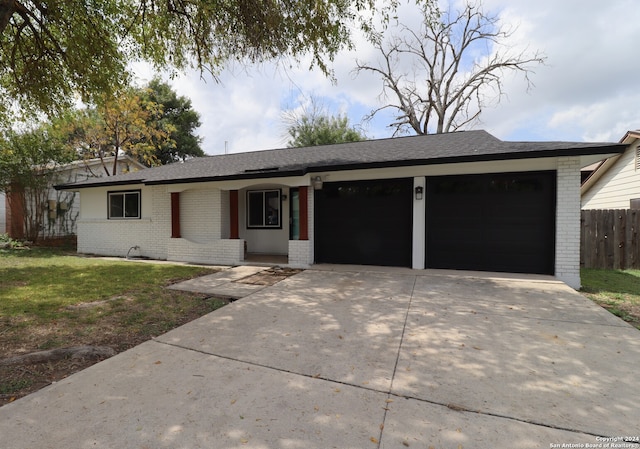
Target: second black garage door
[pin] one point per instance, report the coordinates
(364, 222)
(492, 222)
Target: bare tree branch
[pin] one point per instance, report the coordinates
(450, 81)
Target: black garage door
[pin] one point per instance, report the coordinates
(492, 222)
(364, 222)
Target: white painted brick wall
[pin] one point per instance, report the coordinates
(567, 263)
(203, 223)
(116, 237)
(200, 215)
(300, 253)
(216, 252)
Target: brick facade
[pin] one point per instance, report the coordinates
(567, 262)
(205, 227)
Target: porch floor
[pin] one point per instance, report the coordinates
(270, 259)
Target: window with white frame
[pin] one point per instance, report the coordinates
(124, 205)
(264, 209)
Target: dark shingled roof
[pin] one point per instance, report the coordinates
(464, 146)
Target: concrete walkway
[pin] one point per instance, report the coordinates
(223, 283)
(359, 359)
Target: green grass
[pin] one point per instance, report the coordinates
(41, 283)
(14, 385)
(616, 290)
(51, 299)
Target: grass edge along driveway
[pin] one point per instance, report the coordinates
(618, 291)
(53, 299)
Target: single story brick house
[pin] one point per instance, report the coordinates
(464, 200)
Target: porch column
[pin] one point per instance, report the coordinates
(175, 215)
(234, 232)
(419, 224)
(304, 212)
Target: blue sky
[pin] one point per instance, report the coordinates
(588, 90)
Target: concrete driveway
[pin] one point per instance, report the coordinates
(360, 359)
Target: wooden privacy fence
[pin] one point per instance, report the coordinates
(609, 238)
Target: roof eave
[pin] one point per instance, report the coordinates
(625, 142)
(630, 136)
(102, 184)
(588, 150)
(253, 175)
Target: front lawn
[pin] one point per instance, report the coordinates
(618, 291)
(51, 299)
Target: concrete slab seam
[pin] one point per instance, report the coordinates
(395, 366)
(280, 370)
(622, 325)
(462, 409)
(389, 394)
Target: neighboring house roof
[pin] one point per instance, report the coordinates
(97, 163)
(108, 161)
(605, 165)
(465, 146)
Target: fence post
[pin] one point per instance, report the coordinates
(632, 239)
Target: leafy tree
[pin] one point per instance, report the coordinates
(178, 119)
(52, 49)
(123, 124)
(457, 60)
(316, 126)
(322, 130)
(29, 162)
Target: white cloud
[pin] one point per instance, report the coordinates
(588, 89)
(588, 86)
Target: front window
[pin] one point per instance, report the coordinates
(124, 204)
(264, 209)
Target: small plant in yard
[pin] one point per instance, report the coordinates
(7, 242)
(618, 291)
(51, 300)
(13, 386)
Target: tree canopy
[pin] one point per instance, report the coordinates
(322, 130)
(315, 125)
(125, 123)
(151, 124)
(29, 160)
(51, 50)
(178, 118)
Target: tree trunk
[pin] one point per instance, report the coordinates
(76, 352)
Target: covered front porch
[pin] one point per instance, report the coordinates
(264, 223)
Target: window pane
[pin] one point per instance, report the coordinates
(255, 209)
(116, 205)
(132, 205)
(124, 205)
(264, 209)
(272, 209)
